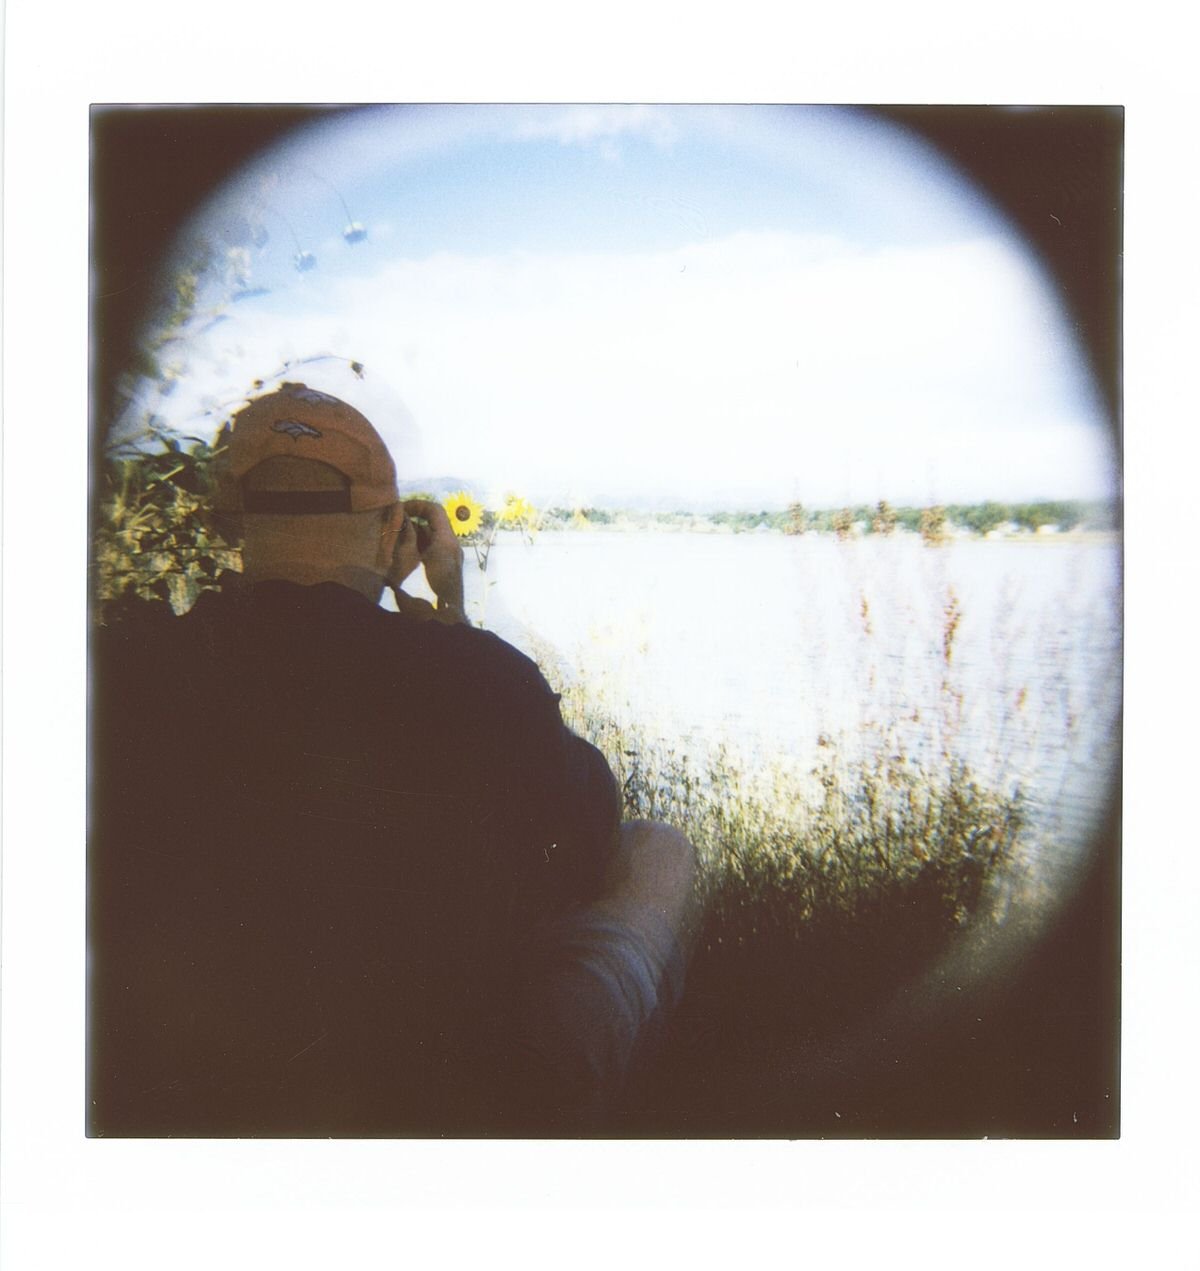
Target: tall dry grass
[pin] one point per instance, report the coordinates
(824, 889)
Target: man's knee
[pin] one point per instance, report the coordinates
(668, 847)
(655, 866)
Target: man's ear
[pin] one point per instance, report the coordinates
(394, 517)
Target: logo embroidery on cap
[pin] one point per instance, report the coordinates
(295, 429)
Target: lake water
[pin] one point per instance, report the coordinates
(767, 643)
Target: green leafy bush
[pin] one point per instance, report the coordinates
(156, 539)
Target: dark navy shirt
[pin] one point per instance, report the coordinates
(319, 833)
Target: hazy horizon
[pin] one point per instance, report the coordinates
(689, 504)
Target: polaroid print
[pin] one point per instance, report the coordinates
(783, 442)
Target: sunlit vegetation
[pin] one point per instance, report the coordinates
(933, 526)
(156, 538)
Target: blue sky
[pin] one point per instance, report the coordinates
(698, 305)
(483, 179)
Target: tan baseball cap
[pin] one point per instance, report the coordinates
(298, 422)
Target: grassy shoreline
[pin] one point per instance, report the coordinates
(824, 892)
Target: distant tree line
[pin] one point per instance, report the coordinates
(933, 523)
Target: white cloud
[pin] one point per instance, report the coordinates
(789, 364)
(580, 125)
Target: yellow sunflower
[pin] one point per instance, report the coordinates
(464, 513)
(517, 511)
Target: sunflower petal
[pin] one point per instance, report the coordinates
(465, 513)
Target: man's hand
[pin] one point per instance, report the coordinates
(434, 546)
(406, 554)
